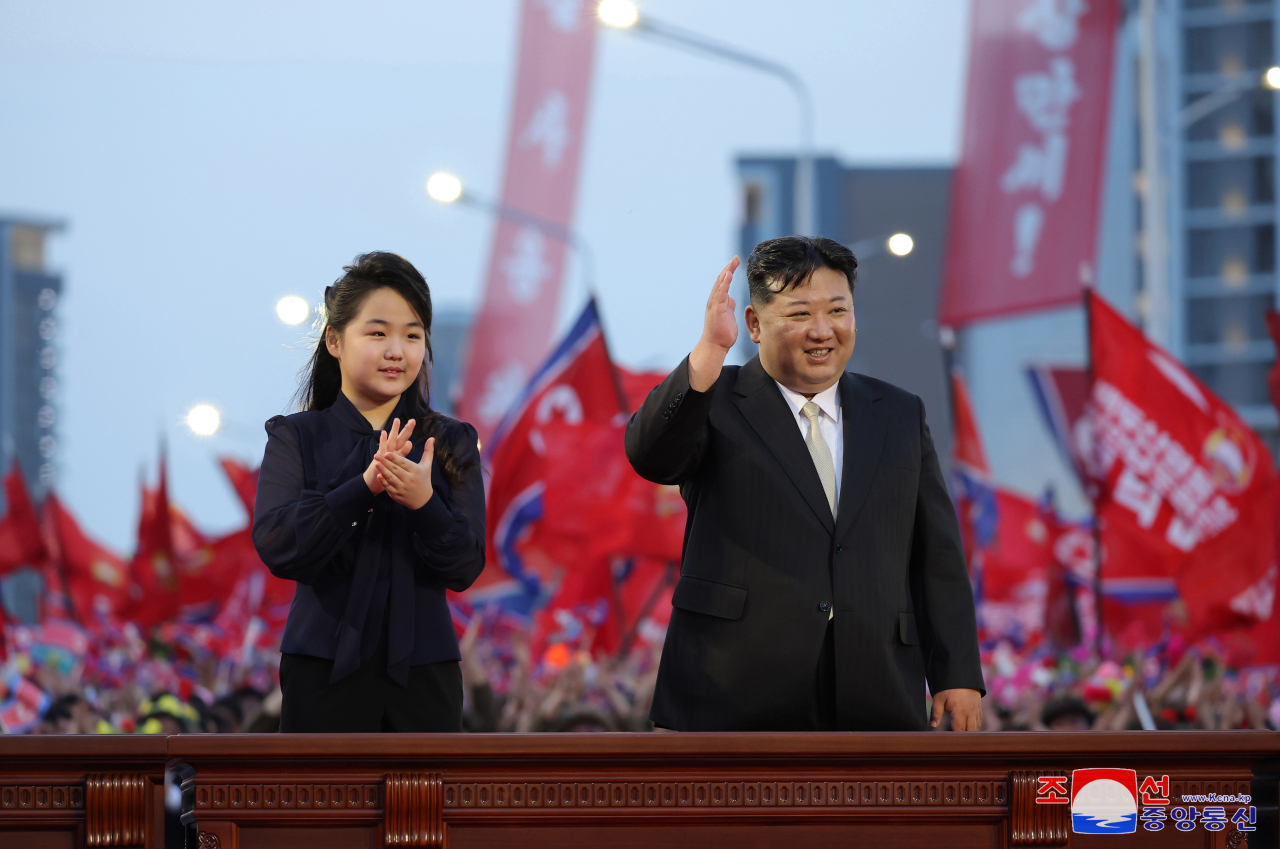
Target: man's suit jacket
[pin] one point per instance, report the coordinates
(764, 562)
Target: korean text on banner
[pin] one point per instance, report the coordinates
(1182, 486)
(1024, 205)
(512, 330)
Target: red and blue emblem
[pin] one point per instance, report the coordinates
(1104, 801)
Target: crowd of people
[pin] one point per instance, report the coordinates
(176, 682)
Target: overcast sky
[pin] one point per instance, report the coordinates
(211, 157)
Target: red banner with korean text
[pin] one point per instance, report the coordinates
(512, 330)
(1182, 487)
(1024, 203)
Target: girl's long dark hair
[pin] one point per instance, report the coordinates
(321, 379)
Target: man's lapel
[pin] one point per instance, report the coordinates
(864, 432)
(770, 416)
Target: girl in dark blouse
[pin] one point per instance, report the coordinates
(373, 523)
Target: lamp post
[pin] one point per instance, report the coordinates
(204, 419)
(623, 14)
(898, 244)
(443, 187)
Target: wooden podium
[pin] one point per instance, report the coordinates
(711, 791)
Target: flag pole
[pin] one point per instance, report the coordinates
(1097, 526)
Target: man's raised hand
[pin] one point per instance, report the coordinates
(719, 332)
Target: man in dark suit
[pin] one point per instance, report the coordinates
(823, 580)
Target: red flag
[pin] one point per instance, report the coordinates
(20, 540)
(575, 388)
(636, 385)
(153, 592)
(1015, 568)
(97, 578)
(1061, 393)
(544, 148)
(244, 480)
(184, 536)
(972, 489)
(208, 574)
(967, 448)
(1024, 201)
(1183, 485)
(596, 507)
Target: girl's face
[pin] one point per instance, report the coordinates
(381, 350)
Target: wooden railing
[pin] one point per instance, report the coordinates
(711, 791)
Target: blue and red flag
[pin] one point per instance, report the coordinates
(575, 388)
(970, 474)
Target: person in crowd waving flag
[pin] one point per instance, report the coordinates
(21, 543)
(1183, 486)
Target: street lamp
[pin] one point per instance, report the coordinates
(204, 420)
(623, 14)
(898, 244)
(292, 310)
(444, 187)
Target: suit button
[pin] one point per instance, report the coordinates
(839, 548)
(679, 395)
(824, 606)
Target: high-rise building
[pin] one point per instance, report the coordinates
(28, 380)
(1222, 197)
(896, 297)
(449, 329)
(29, 295)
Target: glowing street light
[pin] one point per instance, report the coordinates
(204, 420)
(444, 187)
(618, 13)
(900, 244)
(1273, 77)
(292, 310)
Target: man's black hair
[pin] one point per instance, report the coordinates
(776, 265)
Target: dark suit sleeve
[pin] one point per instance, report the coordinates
(449, 533)
(297, 531)
(667, 436)
(940, 588)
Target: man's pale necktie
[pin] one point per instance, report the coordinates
(821, 453)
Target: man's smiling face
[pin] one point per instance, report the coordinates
(806, 334)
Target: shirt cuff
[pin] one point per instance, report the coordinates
(433, 519)
(351, 500)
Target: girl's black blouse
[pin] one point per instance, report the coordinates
(362, 562)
